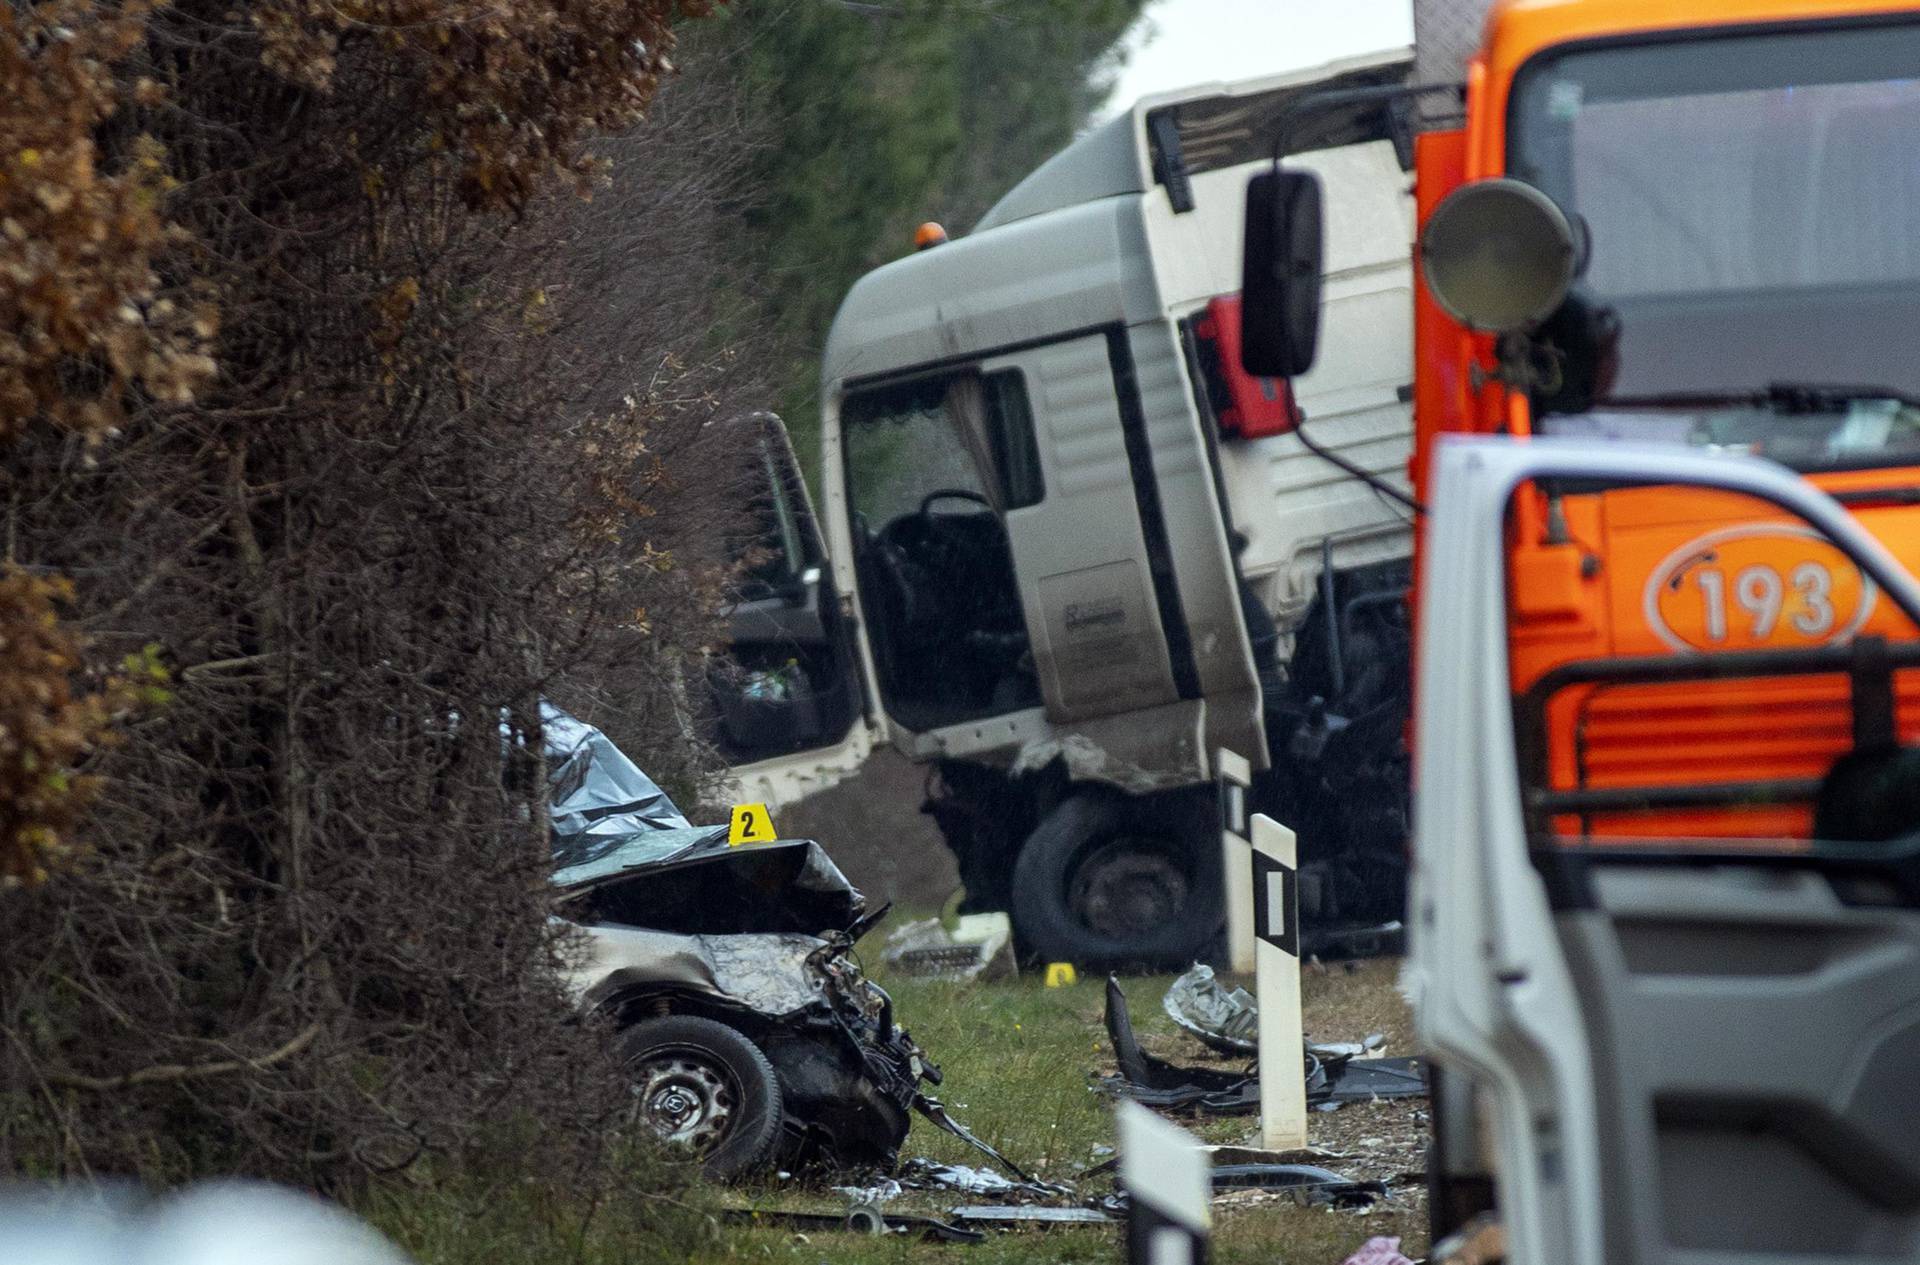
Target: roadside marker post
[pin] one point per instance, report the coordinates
(1236, 856)
(1169, 1183)
(1276, 909)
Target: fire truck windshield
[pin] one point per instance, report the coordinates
(1752, 209)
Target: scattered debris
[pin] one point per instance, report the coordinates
(860, 1219)
(1352, 1072)
(1329, 1051)
(1381, 1250)
(1331, 1085)
(1228, 1022)
(1028, 1214)
(980, 946)
(884, 1192)
(924, 1174)
(1308, 1182)
(935, 1111)
(1153, 1082)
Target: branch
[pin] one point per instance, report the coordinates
(165, 1072)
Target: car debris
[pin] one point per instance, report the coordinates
(1154, 1082)
(1308, 1183)
(924, 1174)
(1228, 1021)
(1222, 1020)
(859, 1219)
(882, 1192)
(750, 1032)
(1351, 1072)
(980, 947)
(1008, 1215)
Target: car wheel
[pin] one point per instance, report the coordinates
(1110, 882)
(704, 1087)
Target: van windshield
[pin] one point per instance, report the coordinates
(1753, 207)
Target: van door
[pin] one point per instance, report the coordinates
(787, 704)
(1666, 903)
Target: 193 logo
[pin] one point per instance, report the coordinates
(1755, 587)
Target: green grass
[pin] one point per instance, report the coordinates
(1018, 1059)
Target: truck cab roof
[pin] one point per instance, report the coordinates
(1083, 240)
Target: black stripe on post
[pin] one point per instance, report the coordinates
(1276, 904)
(1154, 1238)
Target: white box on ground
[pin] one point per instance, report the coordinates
(1273, 875)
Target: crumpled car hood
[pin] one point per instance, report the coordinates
(697, 885)
(766, 973)
(621, 844)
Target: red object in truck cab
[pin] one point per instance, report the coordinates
(1246, 407)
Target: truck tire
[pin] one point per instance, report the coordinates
(1111, 882)
(704, 1087)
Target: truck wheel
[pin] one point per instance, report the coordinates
(702, 1086)
(1110, 882)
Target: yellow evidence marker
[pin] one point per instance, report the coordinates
(752, 823)
(1060, 975)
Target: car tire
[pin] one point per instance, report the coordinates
(704, 1086)
(1111, 882)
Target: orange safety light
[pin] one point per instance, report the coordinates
(929, 235)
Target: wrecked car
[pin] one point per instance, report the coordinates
(751, 1036)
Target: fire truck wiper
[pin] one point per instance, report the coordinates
(1782, 397)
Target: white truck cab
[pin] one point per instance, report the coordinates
(1084, 552)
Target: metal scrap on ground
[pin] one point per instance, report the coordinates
(980, 946)
(1336, 1074)
(1223, 1020)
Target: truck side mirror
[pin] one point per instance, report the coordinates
(1280, 274)
(1500, 256)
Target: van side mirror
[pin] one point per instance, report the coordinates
(1280, 274)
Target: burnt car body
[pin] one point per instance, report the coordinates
(693, 946)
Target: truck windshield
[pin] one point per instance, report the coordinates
(1753, 208)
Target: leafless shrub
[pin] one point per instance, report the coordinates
(466, 435)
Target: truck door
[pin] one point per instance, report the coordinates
(1699, 1042)
(786, 704)
(1026, 539)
